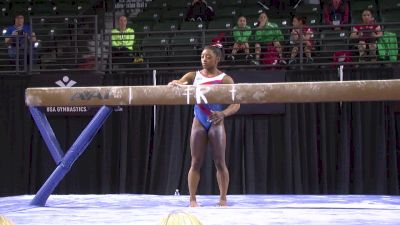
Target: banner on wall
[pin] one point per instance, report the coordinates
(67, 79)
(259, 76)
(129, 4)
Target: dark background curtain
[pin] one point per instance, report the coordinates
(319, 148)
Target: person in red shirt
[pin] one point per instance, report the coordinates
(367, 34)
(301, 34)
(336, 12)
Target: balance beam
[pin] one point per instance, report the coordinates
(291, 92)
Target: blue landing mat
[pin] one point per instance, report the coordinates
(242, 209)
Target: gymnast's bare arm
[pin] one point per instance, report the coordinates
(186, 79)
(217, 117)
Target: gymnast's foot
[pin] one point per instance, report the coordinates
(193, 203)
(222, 203)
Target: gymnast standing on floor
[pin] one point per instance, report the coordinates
(208, 124)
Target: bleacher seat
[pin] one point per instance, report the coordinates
(214, 4)
(83, 5)
(4, 8)
(141, 31)
(157, 5)
(307, 9)
(282, 23)
(251, 11)
(228, 12)
(389, 5)
(313, 20)
(43, 9)
(142, 27)
(184, 50)
(221, 24)
(391, 17)
(176, 14)
(20, 7)
(312, 13)
(149, 16)
(4, 58)
(5, 22)
(390, 12)
(252, 21)
(42, 28)
(155, 51)
(231, 3)
(192, 27)
(333, 37)
(332, 41)
(165, 26)
(361, 5)
(179, 4)
(250, 3)
(65, 7)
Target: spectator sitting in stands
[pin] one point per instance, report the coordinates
(199, 10)
(367, 34)
(241, 34)
(267, 33)
(123, 40)
(16, 46)
(301, 33)
(336, 12)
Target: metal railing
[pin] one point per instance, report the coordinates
(73, 43)
(63, 43)
(13, 56)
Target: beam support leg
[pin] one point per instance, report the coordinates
(72, 154)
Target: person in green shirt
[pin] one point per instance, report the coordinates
(122, 41)
(267, 33)
(241, 34)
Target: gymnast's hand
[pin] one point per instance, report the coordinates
(216, 117)
(176, 83)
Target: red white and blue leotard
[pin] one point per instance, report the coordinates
(203, 111)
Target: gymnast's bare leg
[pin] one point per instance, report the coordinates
(217, 138)
(198, 147)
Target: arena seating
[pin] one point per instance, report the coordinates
(164, 39)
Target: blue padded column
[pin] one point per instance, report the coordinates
(71, 156)
(48, 134)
